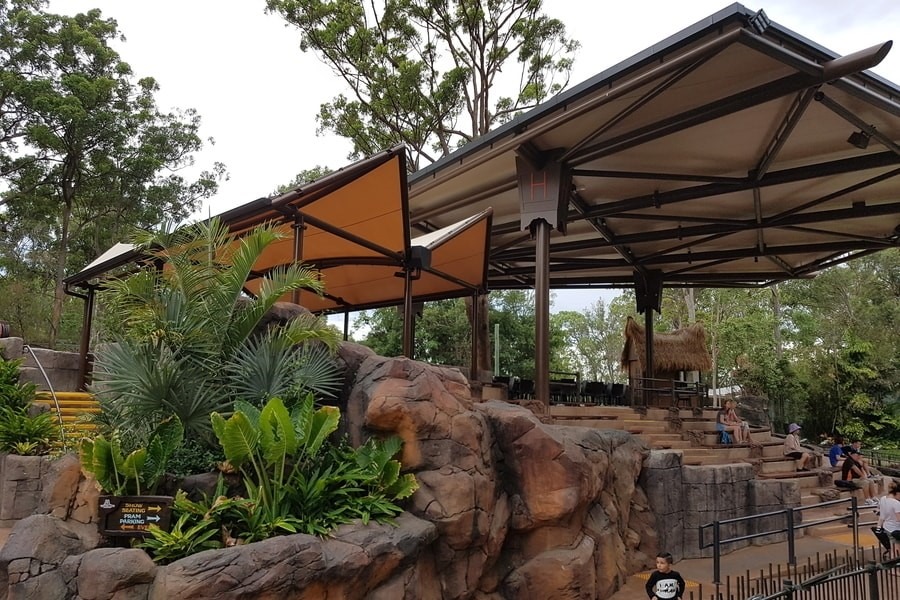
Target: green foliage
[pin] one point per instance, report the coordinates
(192, 457)
(296, 480)
(14, 393)
(443, 333)
(27, 435)
(195, 529)
(187, 344)
(20, 432)
(141, 470)
(85, 152)
(415, 67)
(594, 339)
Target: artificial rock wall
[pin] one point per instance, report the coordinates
(509, 507)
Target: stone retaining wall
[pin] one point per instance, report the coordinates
(686, 497)
(21, 486)
(61, 367)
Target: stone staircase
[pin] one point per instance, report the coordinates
(72, 408)
(694, 433)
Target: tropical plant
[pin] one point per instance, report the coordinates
(187, 335)
(296, 480)
(270, 446)
(14, 393)
(24, 434)
(140, 471)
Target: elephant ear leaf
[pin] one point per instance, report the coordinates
(323, 423)
(239, 439)
(278, 439)
(163, 441)
(106, 463)
(134, 467)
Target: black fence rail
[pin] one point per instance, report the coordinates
(834, 576)
(887, 461)
(854, 573)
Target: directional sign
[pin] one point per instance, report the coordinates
(133, 515)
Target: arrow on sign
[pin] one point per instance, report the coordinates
(157, 518)
(154, 508)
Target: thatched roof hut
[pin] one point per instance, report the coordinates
(681, 350)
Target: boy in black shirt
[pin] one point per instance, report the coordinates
(664, 583)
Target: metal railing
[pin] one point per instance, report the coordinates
(791, 526)
(830, 577)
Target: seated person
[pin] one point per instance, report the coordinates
(836, 453)
(853, 476)
(793, 449)
(727, 420)
(854, 449)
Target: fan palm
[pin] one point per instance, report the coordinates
(186, 336)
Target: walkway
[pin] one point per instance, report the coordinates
(698, 572)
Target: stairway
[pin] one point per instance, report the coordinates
(72, 407)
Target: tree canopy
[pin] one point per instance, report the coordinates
(429, 74)
(85, 152)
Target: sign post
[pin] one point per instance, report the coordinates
(131, 516)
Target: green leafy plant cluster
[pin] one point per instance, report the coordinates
(188, 340)
(296, 480)
(14, 393)
(21, 432)
(140, 471)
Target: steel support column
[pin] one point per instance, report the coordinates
(84, 348)
(299, 227)
(541, 232)
(408, 316)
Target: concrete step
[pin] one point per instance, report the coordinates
(778, 466)
(654, 441)
(806, 479)
(593, 412)
(761, 436)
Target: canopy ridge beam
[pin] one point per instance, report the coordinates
(715, 231)
(792, 175)
(809, 74)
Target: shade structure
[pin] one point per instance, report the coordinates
(718, 157)
(353, 227)
(733, 153)
(458, 258)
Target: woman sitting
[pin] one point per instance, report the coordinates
(728, 421)
(793, 449)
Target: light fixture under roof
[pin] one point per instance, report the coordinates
(860, 139)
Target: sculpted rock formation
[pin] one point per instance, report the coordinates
(509, 507)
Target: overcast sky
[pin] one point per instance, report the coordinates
(258, 94)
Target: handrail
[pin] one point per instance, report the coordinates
(789, 529)
(62, 429)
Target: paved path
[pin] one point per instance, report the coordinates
(699, 571)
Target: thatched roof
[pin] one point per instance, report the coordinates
(681, 350)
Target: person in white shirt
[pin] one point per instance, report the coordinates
(889, 518)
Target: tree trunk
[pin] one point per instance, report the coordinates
(59, 292)
(691, 305)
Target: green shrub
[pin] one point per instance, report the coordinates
(138, 473)
(296, 481)
(13, 393)
(27, 435)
